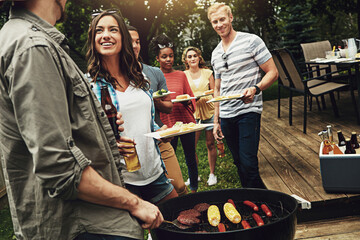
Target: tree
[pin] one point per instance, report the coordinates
(296, 30)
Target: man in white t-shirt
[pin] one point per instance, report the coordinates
(237, 62)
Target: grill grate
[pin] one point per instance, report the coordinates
(277, 209)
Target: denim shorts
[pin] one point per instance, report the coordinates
(153, 192)
(209, 120)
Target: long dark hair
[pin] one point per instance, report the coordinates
(129, 66)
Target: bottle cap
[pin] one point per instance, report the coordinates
(328, 126)
(347, 139)
(353, 133)
(339, 131)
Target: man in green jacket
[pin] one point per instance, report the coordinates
(59, 156)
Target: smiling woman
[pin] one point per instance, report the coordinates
(113, 63)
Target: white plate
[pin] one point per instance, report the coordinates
(226, 98)
(198, 127)
(182, 100)
(163, 95)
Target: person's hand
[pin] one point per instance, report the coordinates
(120, 122)
(218, 135)
(186, 103)
(148, 213)
(126, 146)
(164, 140)
(249, 94)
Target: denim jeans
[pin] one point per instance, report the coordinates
(91, 236)
(188, 144)
(242, 135)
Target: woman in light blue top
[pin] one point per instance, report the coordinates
(112, 63)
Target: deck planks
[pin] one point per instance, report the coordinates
(289, 159)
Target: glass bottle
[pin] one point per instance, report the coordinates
(349, 148)
(221, 149)
(110, 110)
(341, 138)
(132, 161)
(354, 141)
(330, 133)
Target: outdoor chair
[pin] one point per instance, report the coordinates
(285, 82)
(314, 50)
(306, 85)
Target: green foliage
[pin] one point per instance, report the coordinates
(296, 30)
(6, 227)
(225, 170)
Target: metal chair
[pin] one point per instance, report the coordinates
(304, 84)
(314, 50)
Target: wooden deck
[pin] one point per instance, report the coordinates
(289, 163)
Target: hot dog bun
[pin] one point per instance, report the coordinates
(183, 96)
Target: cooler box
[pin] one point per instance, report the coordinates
(340, 172)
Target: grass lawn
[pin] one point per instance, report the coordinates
(225, 171)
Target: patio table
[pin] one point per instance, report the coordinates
(342, 63)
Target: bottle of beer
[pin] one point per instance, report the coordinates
(354, 141)
(110, 110)
(341, 138)
(330, 134)
(349, 149)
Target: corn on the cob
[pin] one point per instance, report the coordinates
(231, 213)
(213, 213)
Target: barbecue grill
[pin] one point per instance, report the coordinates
(281, 226)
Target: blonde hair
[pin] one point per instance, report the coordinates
(215, 7)
(198, 52)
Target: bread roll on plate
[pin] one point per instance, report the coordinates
(183, 96)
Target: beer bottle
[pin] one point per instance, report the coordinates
(330, 134)
(110, 110)
(221, 149)
(341, 138)
(354, 141)
(349, 149)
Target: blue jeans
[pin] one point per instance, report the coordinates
(153, 192)
(91, 236)
(188, 144)
(242, 135)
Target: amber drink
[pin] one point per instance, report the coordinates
(132, 161)
(221, 149)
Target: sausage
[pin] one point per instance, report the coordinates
(245, 224)
(221, 227)
(190, 212)
(252, 205)
(232, 202)
(188, 220)
(258, 219)
(266, 210)
(201, 207)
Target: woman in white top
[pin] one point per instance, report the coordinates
(112, 63)
(201, 79)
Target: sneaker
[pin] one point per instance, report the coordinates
(187, 183)
(149, 237)
(212, 179)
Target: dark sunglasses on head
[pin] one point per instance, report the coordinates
(169, 45)
(224, 57)
(98, 12)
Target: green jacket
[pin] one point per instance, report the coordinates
(52, 127)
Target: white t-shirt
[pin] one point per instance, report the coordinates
(135, 106)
